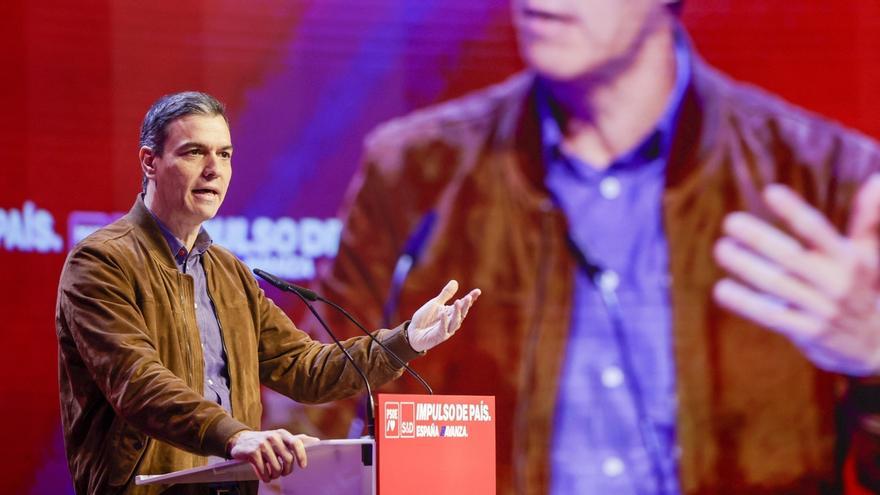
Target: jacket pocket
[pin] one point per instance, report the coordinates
(127, 446)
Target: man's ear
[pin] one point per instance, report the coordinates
(146, 157)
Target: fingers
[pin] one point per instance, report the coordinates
(448, 291)
(272, 453)
(282, 451)
(468, 301)
(771, 278)
(460, 311)
(865, 218)
(816, 287)
(777, 247)
(804, 220)
(271, 463)
(435, 322)
(297, 445)
(455, 318)
(766, 311)
(256, 460)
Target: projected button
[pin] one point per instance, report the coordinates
(609, 280)
(613, 467)
(609, 188)
(612, 377)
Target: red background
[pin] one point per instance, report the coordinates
(304, 80)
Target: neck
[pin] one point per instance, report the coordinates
(184, 231)
(610, 111)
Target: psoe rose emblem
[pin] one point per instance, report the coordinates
(392, 420)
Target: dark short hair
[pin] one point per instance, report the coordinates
(171, 107)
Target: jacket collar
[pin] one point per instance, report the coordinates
(149, 232)
(695, 132)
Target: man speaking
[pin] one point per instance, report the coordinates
(164, 338)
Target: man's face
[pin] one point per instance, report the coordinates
(193, 172)
(565, 40)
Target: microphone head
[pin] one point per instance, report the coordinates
(285, 286)
(272, 279)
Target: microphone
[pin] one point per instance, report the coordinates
(313, 296)
(371, 406)
(286, 286)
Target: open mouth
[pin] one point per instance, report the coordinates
(205, 193)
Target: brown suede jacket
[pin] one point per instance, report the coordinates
(754, 415)
(131, 365)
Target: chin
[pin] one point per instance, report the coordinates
(205, 214)
(561, 65)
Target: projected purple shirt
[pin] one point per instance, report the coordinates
(615, 219)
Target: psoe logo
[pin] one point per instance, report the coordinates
(407, 420)
(392, 420)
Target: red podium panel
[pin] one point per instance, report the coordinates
(435, 444)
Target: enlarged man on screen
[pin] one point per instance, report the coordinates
(164, 338)
(586, 196)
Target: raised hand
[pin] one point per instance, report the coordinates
(435, 322)
(820, 288)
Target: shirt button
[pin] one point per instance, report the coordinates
(613, 466)
(210, 382)
(197, 305)
(609, 280)
(612, 377)
(609, 188)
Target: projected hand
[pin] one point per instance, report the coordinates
(820, 290)
(435, 322)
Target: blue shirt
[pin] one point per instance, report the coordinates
(615, 219)
(216, 385)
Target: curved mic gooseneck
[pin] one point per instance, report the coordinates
(371, 406)
(311, 295)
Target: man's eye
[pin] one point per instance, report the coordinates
(194, 152)
(225, 154)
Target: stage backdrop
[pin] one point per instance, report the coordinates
(304, 80)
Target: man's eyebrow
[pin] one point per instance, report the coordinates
(196, 144)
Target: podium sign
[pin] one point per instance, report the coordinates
(435, 444)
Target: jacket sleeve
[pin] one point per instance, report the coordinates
(98, 305)
(855, 159)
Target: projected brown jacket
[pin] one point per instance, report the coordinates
(754, 415)
(131, 364)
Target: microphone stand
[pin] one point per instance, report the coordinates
(371, 407)
(393, 355)
(310, 295)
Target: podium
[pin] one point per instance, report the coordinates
(425, 444)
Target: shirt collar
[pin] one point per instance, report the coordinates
(178, 249)
(656, 144)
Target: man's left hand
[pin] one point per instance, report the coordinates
(435, 322)
(820, 289)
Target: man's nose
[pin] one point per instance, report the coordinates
(211, 163)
